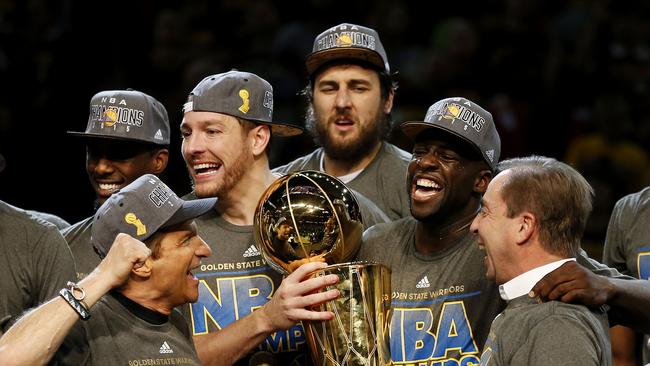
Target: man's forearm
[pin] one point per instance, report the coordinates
(624, 343)
(35, 337)
(630, 304)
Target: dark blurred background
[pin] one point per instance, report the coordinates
(564, 79)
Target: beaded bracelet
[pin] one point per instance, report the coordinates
(76, 302)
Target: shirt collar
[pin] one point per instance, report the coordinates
(344, 178)
(522, 284)
(148, 315)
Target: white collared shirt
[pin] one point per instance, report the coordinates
(522, 284)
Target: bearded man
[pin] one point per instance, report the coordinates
(350, 95)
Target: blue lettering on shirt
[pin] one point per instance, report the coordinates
(413, 339)
(228, 299)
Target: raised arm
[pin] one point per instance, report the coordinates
(35, 337)
(289, 304)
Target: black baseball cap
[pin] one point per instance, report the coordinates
(140, 209)
(465, 119)
(347, 41)
(238, 94)
(128, 115)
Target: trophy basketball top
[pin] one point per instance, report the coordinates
(307, 216)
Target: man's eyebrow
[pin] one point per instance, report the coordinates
(359, 81)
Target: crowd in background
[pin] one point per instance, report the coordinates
(569, 80)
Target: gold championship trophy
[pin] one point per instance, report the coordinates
(311, 216)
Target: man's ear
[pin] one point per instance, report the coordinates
(388, 104)
(261, 136)
(482, 180)
(160, 160)
(144, 271)
(526, 227)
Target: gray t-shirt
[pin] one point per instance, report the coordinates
(627, 244)
(233, 282)
(442, 305)
(122, 332)
(552, 333)
(78, 238)
(35, 263)
(383, 181)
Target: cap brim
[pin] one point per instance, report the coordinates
(319, 58)
(285, 130)
(109, 137)
(413, 128)
(191, 210)
(281, 129)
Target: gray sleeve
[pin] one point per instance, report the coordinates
(560, 340)
(614, 248)
(599, 268)
(60, 223)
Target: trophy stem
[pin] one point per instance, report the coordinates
(356, 335)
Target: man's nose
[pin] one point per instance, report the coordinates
(203, 250)
(103, 165)
(343, 98)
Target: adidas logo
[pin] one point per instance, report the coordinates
(158, 135)
(424, 283)
(165, 348)
(251, 252)
(490, 154)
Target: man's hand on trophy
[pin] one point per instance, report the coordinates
(297, 293)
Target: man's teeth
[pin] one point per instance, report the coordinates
(108, 187)
(427, 183)
(205, 166)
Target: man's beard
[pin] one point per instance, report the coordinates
(351, 150)
(231, 177)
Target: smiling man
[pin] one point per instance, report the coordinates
(128, 302)
(531, 221)
(439, 309)
(245, 310)
(127, 135)
(350, 95)
(442, 302)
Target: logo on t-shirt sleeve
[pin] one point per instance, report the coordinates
(643, 263)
